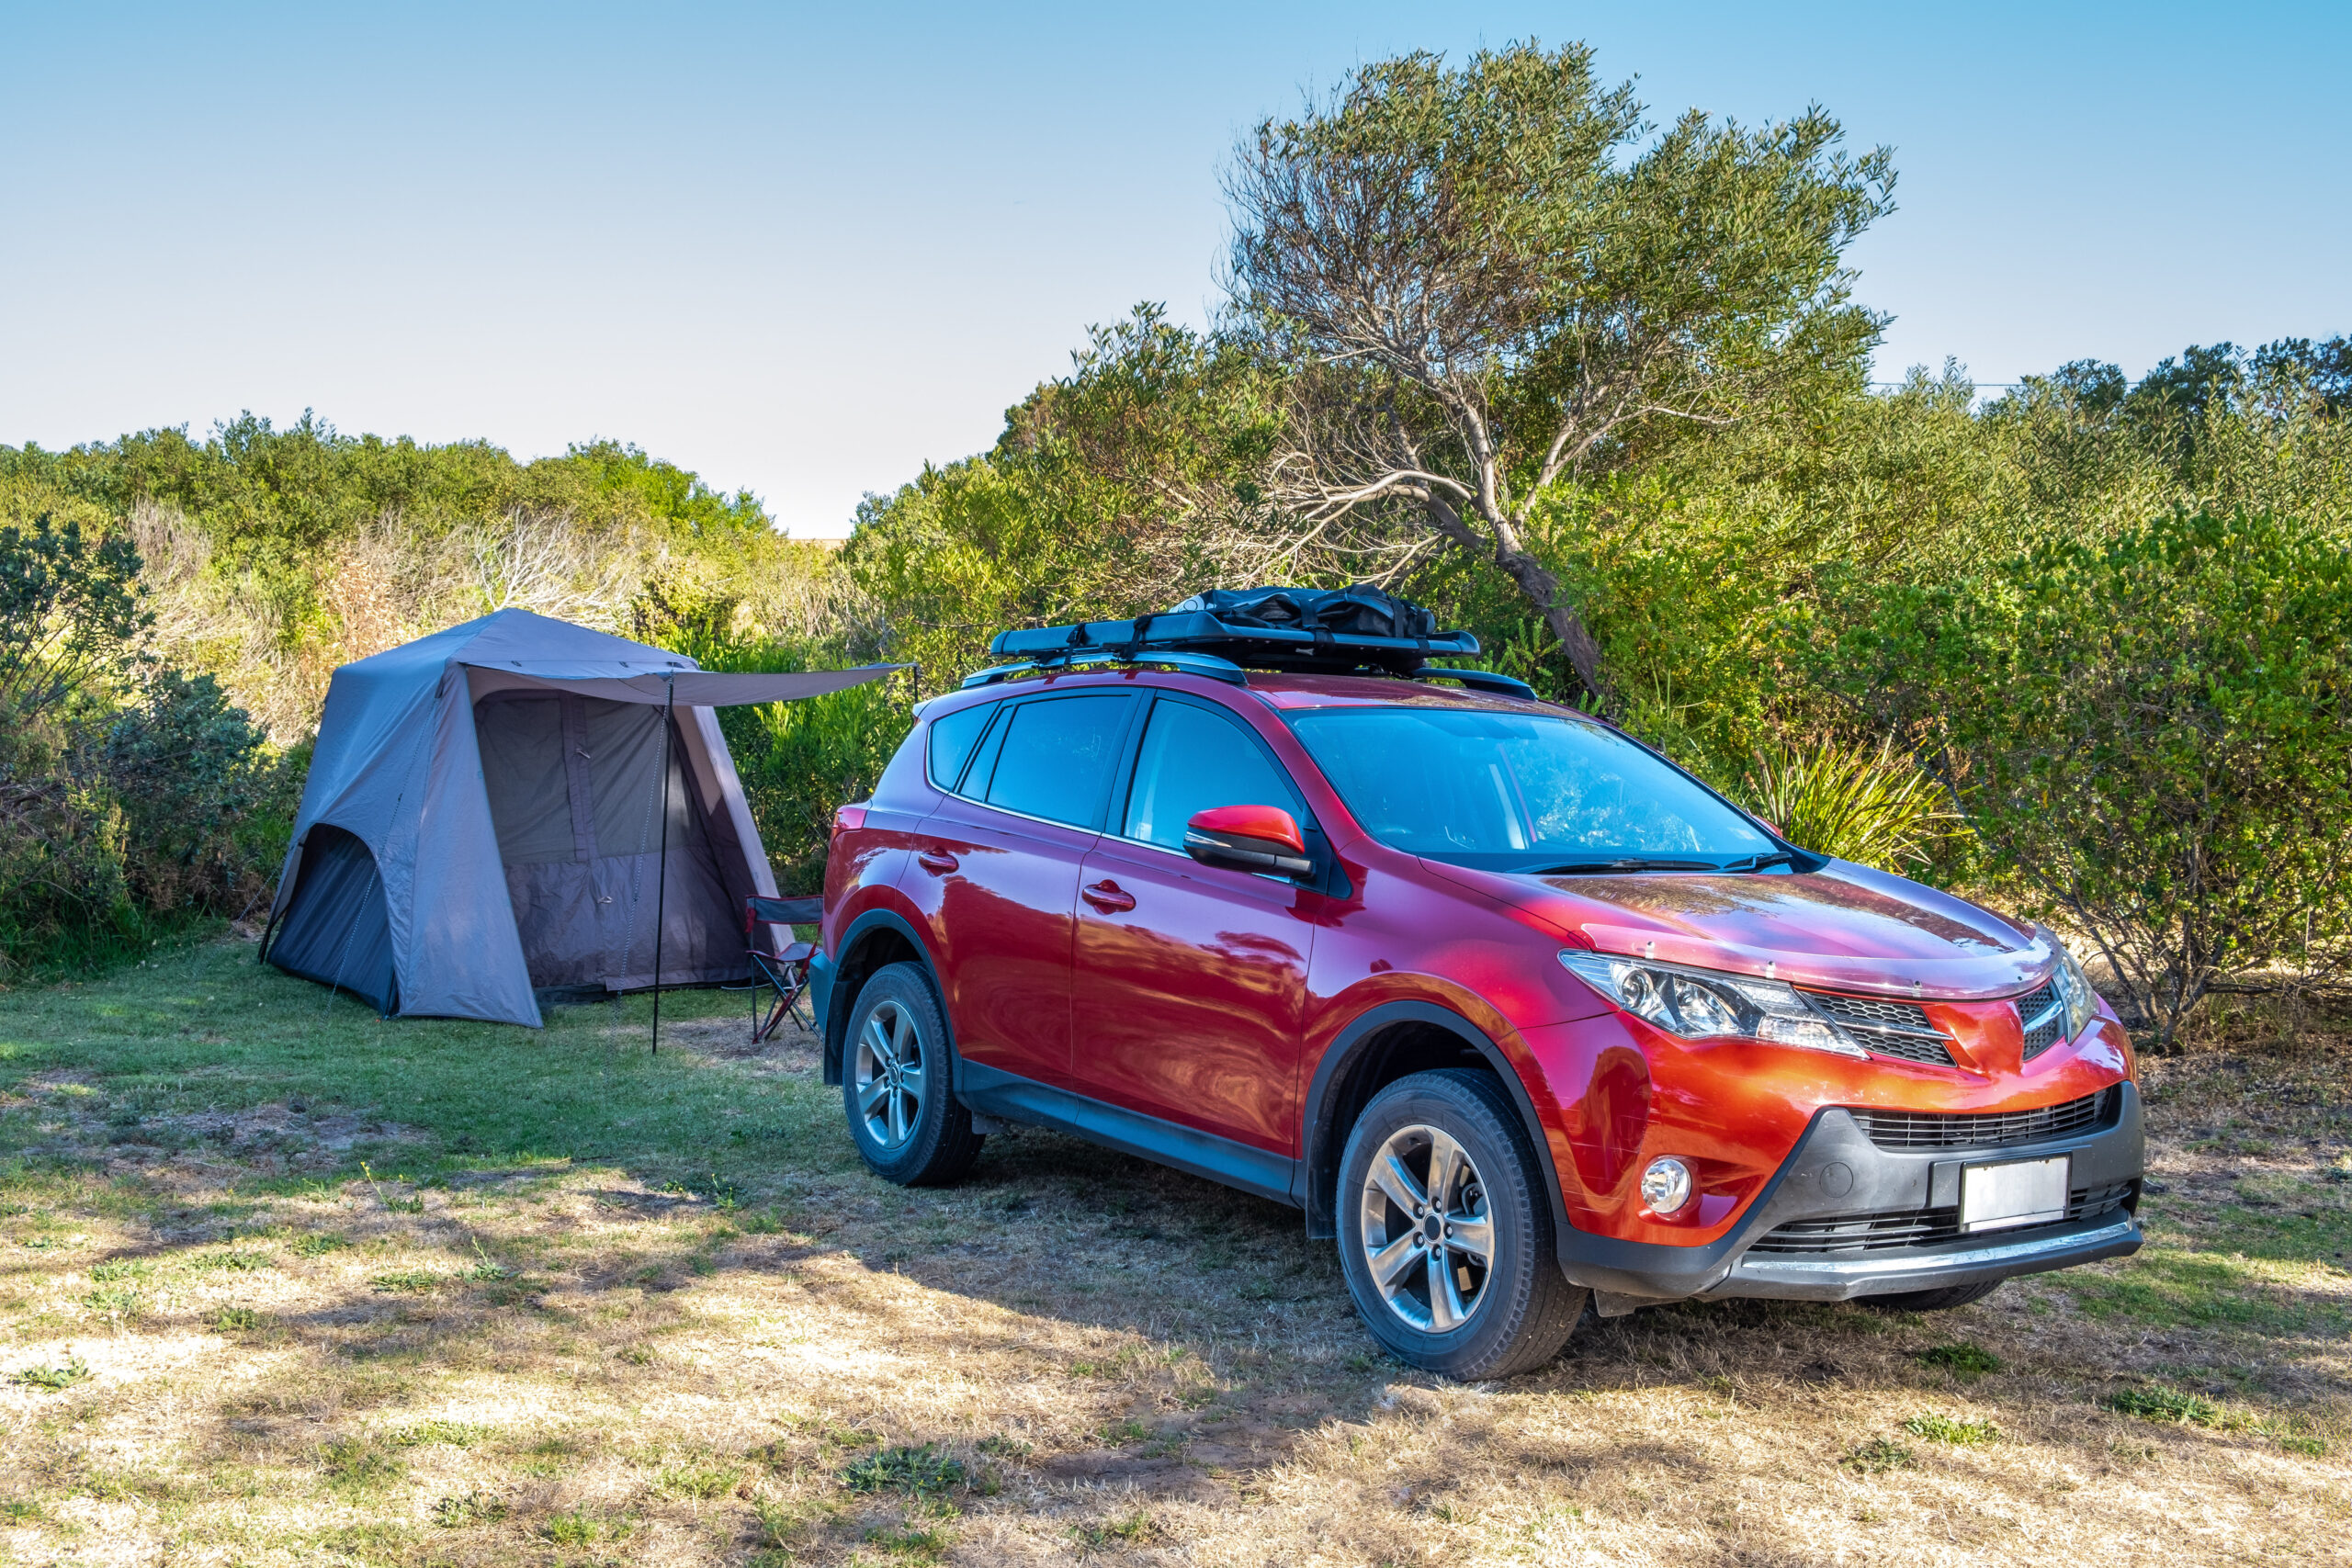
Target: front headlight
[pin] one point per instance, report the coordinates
(2074, 987)
(1703, 1003)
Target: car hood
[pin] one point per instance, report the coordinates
(1844, 926)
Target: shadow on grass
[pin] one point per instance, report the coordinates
(1204, 1340)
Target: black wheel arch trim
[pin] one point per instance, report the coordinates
(1321, 1142)
(832, 1022)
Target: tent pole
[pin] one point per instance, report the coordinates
(661, 876)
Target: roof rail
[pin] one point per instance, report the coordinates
(1207, 664)
(1479, 681)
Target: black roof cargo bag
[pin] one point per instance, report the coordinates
(1303, 628)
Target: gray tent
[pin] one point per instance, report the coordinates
(482, 828)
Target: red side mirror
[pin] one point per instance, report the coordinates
(1247, 838)
(1770, 825)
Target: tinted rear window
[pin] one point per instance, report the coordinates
(1057, 757)
(952, 739)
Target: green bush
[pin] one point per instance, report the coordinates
(2151, 737)
(70, 615)
(131, 796)
(206, 805)
(62, 843)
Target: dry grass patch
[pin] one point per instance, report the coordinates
(550, 1300)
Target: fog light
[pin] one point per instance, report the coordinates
(1666, 1185)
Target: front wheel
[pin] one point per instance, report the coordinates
(1445, 1232)
(897, 1084)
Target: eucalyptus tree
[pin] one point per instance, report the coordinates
(1490, 280)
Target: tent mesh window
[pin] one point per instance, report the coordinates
(575, 788)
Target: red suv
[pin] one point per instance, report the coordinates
(1517, 1010)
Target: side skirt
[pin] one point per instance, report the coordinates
(1013, 1098)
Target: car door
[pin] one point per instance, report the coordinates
(1189, 981)
(996, 868)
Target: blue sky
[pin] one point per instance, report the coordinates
(804, 249)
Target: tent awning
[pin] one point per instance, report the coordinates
(687, 688)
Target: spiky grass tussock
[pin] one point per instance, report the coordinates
(1874, 807)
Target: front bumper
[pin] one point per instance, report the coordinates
(1846, 1217)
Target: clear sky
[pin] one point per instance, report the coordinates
(803, 249)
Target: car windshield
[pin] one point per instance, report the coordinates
(1522, 792)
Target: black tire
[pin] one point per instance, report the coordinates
(913, 1131)
(1942, 1298)
(1520, 1308)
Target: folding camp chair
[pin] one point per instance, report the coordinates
(783, 966)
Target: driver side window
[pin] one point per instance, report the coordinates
(1192, 760)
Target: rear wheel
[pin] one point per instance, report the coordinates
(1940, 1300)
(897, 1084)
(1445, 1232)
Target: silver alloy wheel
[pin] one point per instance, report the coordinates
(1428, 1238)
(889, 1074)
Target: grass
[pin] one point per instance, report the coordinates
(1129, 1529)
(1876, 1456)
(52, 1380)
(908, 1544)
(360, 1462)
(2165, 1405)
(455, 1434)
(474, 1507)
(919, 1472)
(281, 1282)
(405, 1279)
(702, 1479)
(1960, 1430)
(1964, 1360)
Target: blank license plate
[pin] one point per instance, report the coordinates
(2025, 1192)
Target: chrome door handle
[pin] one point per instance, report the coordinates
(937, 862)
(1109, 897)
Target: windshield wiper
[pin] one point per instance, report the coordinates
(1575, 867)
(1758, 862)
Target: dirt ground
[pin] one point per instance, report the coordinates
(283, 1285)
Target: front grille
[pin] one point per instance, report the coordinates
(1990, 1129)
(1919, 1227)
(2044, 1018)
(1864, 1233)
(1890, 1029)
(1911, 1048)
(2090, 1202)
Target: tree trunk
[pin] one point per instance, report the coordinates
(1543, 590)
(1540, 587)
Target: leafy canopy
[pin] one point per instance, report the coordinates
(1489, 278)
(70, 610)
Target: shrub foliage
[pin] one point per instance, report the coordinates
(2079, 648)
(2153, 735)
